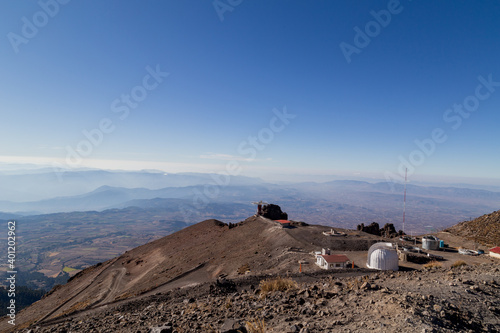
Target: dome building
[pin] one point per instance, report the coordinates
(382, 256)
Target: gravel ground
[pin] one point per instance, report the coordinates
(460, 299)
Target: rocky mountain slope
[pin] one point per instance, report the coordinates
(197, 254)
(461, 299)
(484, 229)
(209, 278)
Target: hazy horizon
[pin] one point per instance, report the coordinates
(423, 180)
(270, 90)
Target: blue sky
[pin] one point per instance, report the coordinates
(228, 79)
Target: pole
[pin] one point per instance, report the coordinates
(404, 202)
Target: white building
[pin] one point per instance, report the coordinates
(495, 252)
(383, 256)
(326, 260)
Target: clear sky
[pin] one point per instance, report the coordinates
(262, 87)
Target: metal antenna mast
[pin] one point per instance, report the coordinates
(404, 201)
(259, 206)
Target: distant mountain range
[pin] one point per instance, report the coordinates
(375, 197)
(343, 203)
(96, 215)
(47, 183)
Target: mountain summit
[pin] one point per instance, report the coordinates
(219, 277)
(197, 254)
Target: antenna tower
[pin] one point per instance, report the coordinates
(404, 201)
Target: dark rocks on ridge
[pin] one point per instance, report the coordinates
(388, 230)
(274, 212)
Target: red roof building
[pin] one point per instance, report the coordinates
(495, 252)
(284, 223)
(496, 249)
(332, 261)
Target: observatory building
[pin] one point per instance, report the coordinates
(430, 243)
(382, 256)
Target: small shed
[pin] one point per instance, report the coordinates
(284, 223)
(495, 252)
(332, 261)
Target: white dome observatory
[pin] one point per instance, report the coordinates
(382, 256)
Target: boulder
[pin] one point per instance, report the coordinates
(274, 212)
(373, 228)
(388, 230)
(233, 326)
(161, 329)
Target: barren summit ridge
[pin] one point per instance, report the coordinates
(484, 229)
(207, 278)
(196, 254)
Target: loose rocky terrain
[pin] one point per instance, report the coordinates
(485, 229)
(460, 299)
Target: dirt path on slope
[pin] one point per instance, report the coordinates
(115, 283)
(191, 278)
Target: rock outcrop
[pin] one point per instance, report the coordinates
(388, 230)
(274, 212)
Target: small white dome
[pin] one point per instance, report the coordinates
(382, 256)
